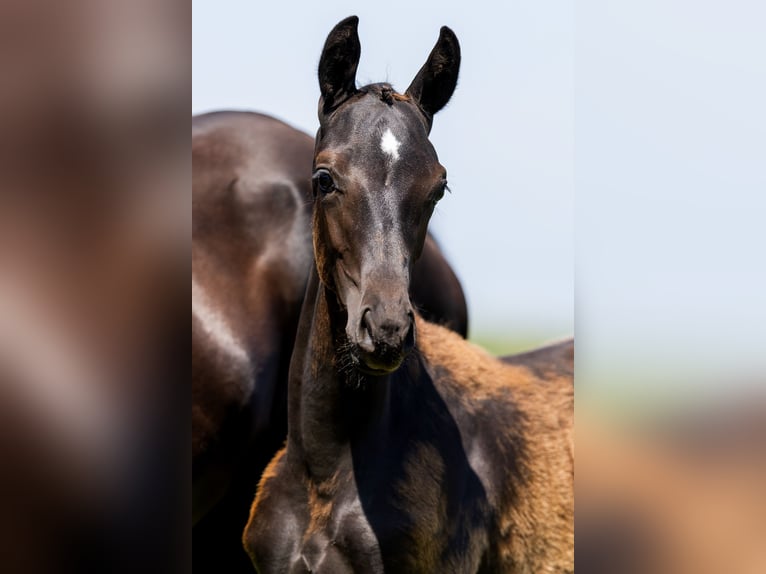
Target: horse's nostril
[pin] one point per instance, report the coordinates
(365, 332)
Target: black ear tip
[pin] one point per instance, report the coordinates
(344, 30)
(448, 42)
(350, 22)
(446, 33)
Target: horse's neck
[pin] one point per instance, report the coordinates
(325, 408)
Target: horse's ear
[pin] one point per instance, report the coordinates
(337, 66)
(433, 86)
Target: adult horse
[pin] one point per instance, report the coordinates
(251, 255)
(408, 449)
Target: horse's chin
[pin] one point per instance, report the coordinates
(376, 371)
(378, 366)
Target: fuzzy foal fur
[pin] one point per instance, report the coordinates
(437, 458)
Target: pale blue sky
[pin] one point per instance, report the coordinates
(626, 140)
(670, 192)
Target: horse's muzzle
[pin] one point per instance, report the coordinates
(384, 342)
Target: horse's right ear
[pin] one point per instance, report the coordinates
(337, 66)
(433, 85)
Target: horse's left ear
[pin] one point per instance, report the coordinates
(433, 86)
(338, 63)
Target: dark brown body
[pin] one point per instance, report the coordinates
(251, 255)
(250, 248)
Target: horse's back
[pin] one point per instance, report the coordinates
(249, 142)
(556, 359)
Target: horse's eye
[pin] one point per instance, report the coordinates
(323, 181)
(439, 194)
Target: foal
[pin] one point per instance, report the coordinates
(408, 449)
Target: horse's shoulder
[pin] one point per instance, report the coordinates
(492, 396)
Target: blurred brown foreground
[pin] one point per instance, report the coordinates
(94, 251)
(676, 494)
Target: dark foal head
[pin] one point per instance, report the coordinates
(376, 181)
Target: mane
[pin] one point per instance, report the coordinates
(386, 93)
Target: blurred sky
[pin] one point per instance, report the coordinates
(505, 138)
(648, 116)
(670, 193)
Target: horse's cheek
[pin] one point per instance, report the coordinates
(321, 255)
